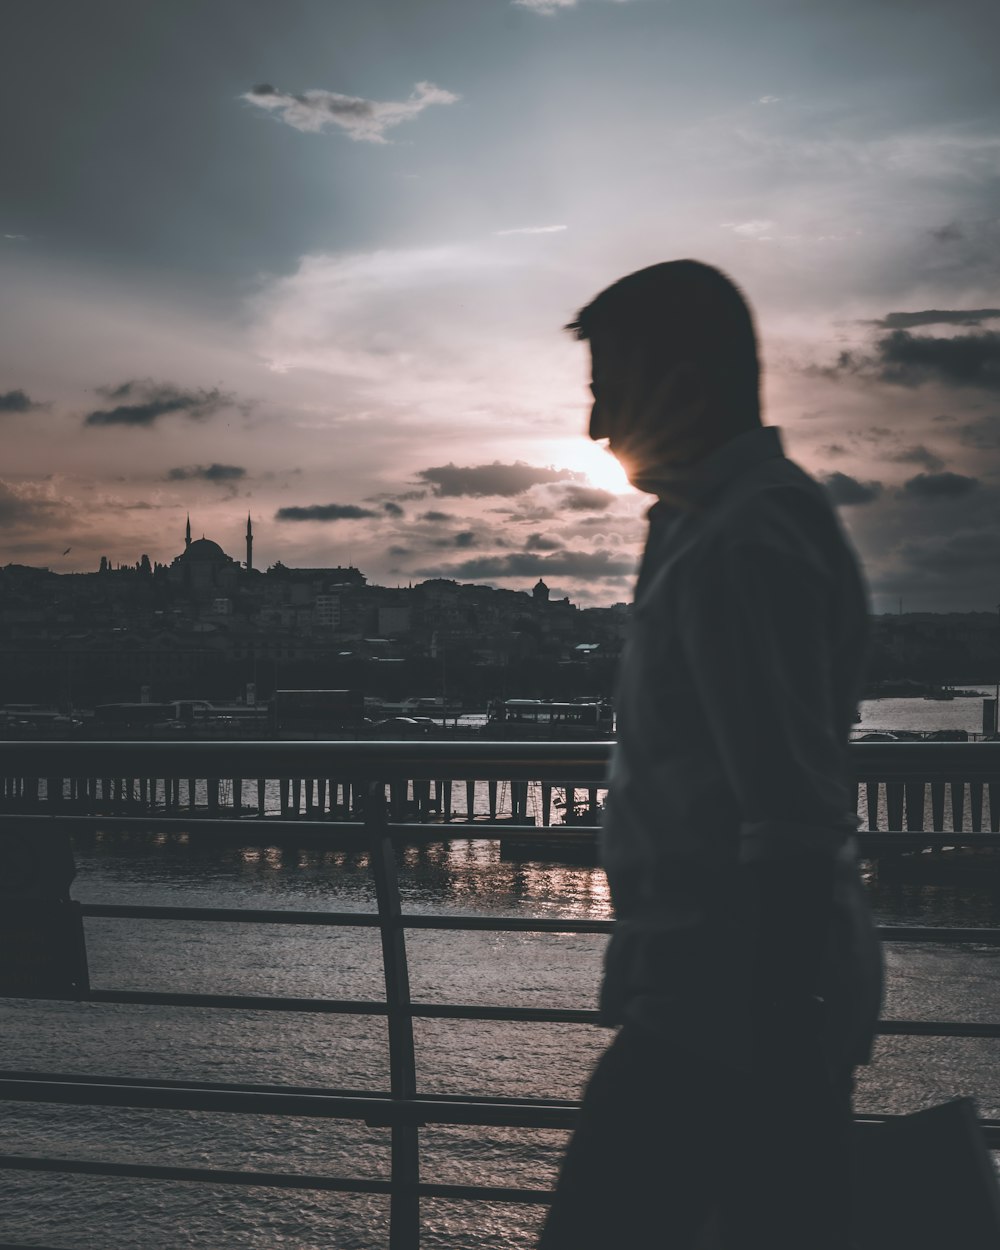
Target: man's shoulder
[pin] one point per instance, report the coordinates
(777, 503)
(775, 516)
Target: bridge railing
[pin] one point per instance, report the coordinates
(49, 790)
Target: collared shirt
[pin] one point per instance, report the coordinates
(737, 691)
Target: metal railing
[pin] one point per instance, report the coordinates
(376, 779)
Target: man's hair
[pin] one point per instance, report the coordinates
(681, 311)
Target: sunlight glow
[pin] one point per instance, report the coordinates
(583, 456)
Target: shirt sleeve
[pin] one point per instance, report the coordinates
(755, 623)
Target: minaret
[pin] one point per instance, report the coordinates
(187, 533)
(249, 545)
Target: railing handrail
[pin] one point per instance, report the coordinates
(370, 766)
(539, 761)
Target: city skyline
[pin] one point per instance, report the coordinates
(314, 265)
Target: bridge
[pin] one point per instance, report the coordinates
(382, 797)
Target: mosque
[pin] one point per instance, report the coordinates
(203, 568)
(204, 571)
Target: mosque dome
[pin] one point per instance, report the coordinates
(203, 549)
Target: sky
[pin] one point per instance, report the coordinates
(312, 261)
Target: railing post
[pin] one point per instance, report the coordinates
(404, 1202)
(976, 805)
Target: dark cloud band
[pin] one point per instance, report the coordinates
(936, 316)
(149, 401)
(967, 360)
(216, 473)
(491, 479)
(324, 512)
(17, 401)
(587, 499)
(940, 486)
(846, 491)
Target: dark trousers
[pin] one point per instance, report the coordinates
(669, 1145)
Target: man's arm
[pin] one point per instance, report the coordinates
(755, 624)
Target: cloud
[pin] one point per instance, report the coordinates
(918, 455)
(904, 359)
(548, 7)
(588, 564)
(982, 433)
(950, 233)
(768, 99)
(28, 504)
(435, 517)
(758, 228)
(218, 474)
(152, 400)
(465, 539)
(530, 230)
(419, 336)
(936, 316)
(587, 499)
(392, 509)
(961, 551)
(967, 360)
(542, 542)
(845, 490)
(940, 485)
(324, 512)
(17, 401)
(364, 120)
(491, 479)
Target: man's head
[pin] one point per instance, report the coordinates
(674, 364)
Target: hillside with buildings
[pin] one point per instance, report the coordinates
(207, 625)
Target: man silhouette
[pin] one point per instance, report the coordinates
(743, 968)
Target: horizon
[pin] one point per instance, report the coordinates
(322, 275)
(557, 592)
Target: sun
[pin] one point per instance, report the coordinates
(582, 456)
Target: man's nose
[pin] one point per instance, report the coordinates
(599, 425)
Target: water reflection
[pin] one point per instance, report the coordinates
(466, 1057)
(460, 875)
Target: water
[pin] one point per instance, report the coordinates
(925, 715)
(349, 1052)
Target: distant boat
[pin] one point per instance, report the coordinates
(945, 692)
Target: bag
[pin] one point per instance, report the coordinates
(926, 1181)
(43, 953)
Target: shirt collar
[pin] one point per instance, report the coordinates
(693, 487)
